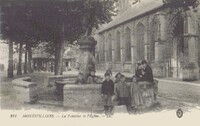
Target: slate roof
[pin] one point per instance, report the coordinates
(133, 12)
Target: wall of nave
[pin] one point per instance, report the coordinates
(159, 38)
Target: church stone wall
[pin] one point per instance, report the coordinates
(156, 50)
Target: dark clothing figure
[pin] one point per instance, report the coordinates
(107, 91)
(107, 87)
(107, 99)
(147, 74)
(138, 74)
(123, 101)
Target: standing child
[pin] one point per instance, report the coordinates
(107, 91)
(118, 78)
(122, 92)
(136, 96)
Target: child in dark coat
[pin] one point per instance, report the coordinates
(107, 92)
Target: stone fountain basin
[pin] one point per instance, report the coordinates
(26, 90)
(82, 97)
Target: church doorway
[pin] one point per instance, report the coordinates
(177, 48)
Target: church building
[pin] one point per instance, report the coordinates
(149, 30)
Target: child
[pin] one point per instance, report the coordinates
(92, 79)
(107, 91)
(122, 92)
(138, 72)
(109, 71)
(136, 96)
(80, 79)
(117, 78)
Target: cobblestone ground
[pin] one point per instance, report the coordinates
(171, 96)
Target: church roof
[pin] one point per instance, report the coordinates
(134, 11)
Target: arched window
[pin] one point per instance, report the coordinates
(118, 50)
(154, 36)
(128, 44)
(109, 48)
(140, 31)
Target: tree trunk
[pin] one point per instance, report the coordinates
(59, 51)
(19, 67)
(10, 61)
(30, 70)
(26, 58)
(59, 57)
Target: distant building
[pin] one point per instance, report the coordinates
(43, 61)
(145, 30)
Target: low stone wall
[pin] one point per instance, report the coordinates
(26, 91)
(83, 97)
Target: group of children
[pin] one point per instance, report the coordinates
(124, 93)
(118, 91)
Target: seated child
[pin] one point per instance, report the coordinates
(80, 79)
(107, 92)
(122, 92)
(136, 96)
(92, 79)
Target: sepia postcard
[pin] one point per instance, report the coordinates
(99, 62)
